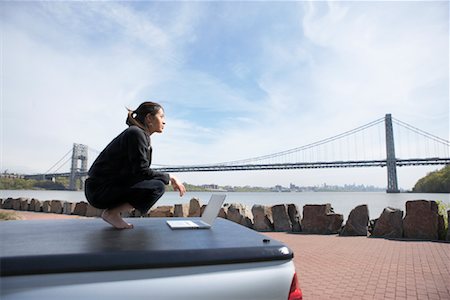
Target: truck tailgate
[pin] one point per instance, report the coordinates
(43, 247)
(88, 259)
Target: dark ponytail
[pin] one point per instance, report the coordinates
(137, 117)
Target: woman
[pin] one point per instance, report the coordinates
(121, 178)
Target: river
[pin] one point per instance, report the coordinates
(342, 202)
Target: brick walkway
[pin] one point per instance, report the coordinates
(333, 267)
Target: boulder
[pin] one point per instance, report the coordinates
(181, 210)
(68, 208)
(7, 203)
(32, 204)
(389, 224)
(357, 222)
(46, 207)
(222, 213)
(56, 207)
(93, 211)
(1, 202)
(448, 226)
(162, 212)
(194, 208)
(262, 218)
(136, 213)
(16, 204)
(202, 209)
(24, 203)
(320, 219)
(281, 220)
(294, 216)
(35, 205)
(239, 213)
(80, 208)
(421, 220)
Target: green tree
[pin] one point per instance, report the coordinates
(434, 182)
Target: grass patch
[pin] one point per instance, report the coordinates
(442, 210)
(7, 216)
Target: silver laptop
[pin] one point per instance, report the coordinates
(206, 221)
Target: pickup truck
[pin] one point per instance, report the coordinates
(88, 259)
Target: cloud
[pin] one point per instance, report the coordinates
(236, 82)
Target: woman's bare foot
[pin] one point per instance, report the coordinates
(113, 217)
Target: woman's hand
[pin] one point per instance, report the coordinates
(177, 185)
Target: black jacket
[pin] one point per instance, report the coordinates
(126, 160)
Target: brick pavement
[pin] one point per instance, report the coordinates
(333, 267)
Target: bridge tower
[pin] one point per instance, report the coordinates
(79, 153)
(391, 164)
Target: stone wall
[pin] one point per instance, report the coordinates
(421, 221)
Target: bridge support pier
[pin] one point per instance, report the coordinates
(391, 162)
(79, 152)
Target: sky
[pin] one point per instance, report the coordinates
(236, 80)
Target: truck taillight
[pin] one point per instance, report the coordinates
(295, 293)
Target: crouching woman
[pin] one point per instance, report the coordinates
(120, 179)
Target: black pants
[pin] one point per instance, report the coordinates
(142, 195)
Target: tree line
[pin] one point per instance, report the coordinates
(434, 182)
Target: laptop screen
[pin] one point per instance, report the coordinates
(212, 209)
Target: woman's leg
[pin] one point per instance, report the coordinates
(113, 216)
(144, 194)
(116, 199)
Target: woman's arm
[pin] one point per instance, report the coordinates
(140, 158)
(177, 185)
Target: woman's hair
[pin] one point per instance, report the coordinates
(137, 117)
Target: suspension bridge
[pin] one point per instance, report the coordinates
(370, 145)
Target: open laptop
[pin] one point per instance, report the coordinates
(206, 221)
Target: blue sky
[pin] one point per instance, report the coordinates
(236, 79)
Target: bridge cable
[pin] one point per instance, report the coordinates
(48, 171)
(421, 132)
(69, 159)
(308, 146)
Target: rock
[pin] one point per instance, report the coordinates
(321, 219)
(222, 213)
(56, 207)
(389, 224)
(68, 208)
(421, 220)
(7, 203)
(46, 207)
(281, 221)
(93, 212)
(357, 223)
(239, 213)
(16, 204)
(1, 202)
(194, 208)
(294, 216)
(262, 218)
(202, 209)
(136, 213)
(24, 203)
(32, 204)
(37, 207)
(181, 210)
(448, 227)
(162, 212)
(80, 208)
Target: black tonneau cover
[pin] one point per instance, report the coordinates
(81, 245)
